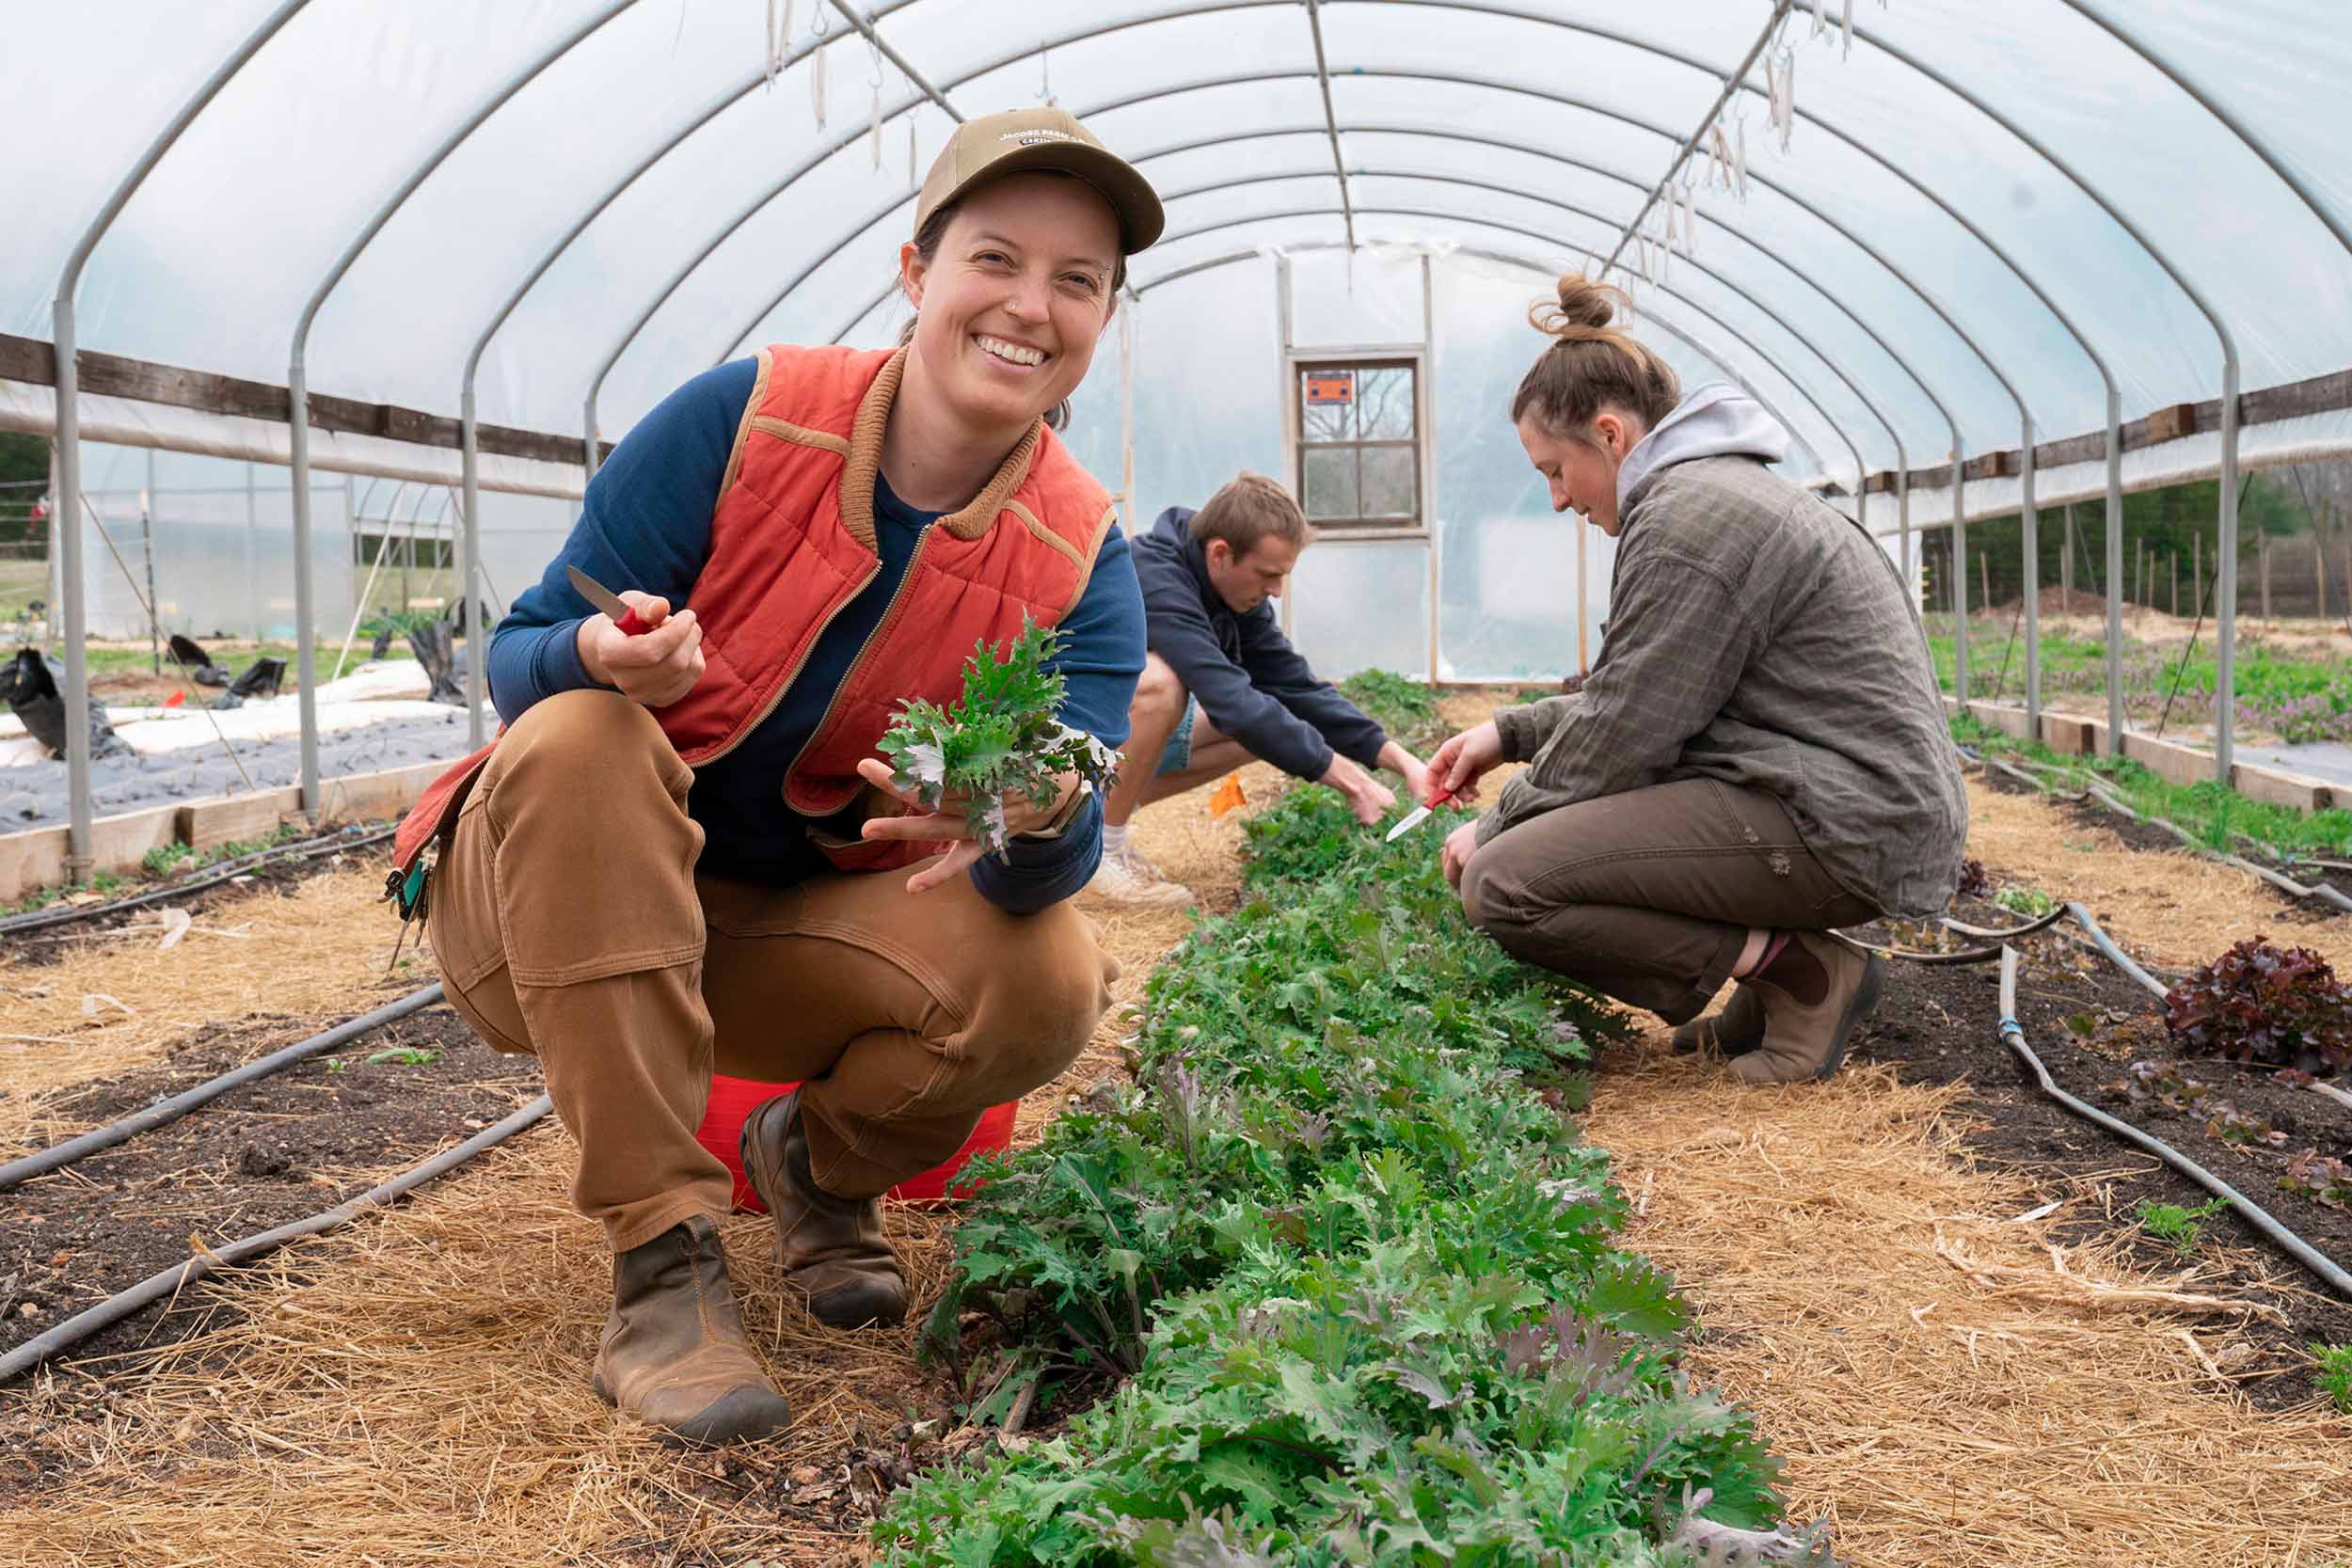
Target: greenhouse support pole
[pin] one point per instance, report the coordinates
(306, 634)
(1128, 334)
(66, 509)
(2225, 585)
(2029, 539)
(252, 556)
(1960, 571)
(1425, 419)
(2115, 571)
(1293, 477)
(468, 554)
(1902, 529)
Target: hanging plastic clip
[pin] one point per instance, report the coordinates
(817, 68)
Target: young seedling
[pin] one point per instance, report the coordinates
(2170, 1222)
(2031, 902)
(1003, 736)
(2332, 1372)
(406, 1055)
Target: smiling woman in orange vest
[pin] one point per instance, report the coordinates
(684, 853)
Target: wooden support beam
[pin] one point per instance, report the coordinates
(33, 362)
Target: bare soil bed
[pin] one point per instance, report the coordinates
(279, 1150)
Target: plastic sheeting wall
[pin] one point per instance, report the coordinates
(223, 543)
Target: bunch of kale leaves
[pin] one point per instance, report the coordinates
(1003, 736)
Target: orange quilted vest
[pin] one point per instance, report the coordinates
(793, 541)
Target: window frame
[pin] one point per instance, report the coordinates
(1413, 360)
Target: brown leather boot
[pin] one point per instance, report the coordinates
(1734, 1031)
(832, 1249)
(1805, 1040)
(674, 1353)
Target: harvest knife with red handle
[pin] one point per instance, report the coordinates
(628, 621)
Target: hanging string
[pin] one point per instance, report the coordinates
(874, 80)
(1045, 78)
(779, 39)
(1781, 77)
(817, 68)
(1848, 52)
(1739, 149)
(911, 176)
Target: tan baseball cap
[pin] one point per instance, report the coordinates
(1022, 140)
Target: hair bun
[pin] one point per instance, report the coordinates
(1585, 310)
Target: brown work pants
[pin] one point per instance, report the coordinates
(1648, 896)
(570, 921)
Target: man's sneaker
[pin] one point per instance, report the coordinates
(1128, 878)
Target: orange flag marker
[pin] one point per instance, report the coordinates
(1228, 795)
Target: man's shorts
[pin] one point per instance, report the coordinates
(1177, 756)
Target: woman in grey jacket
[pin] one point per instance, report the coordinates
(1760, 756)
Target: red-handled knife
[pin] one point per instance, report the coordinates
(628, 620)
(1418, 815)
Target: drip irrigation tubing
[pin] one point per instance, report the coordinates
(38, 920)
(209, 1261)
(2091, 789)
(57, 1156)
(2301, 1251)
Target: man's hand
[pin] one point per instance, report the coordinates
(1414, 774)
(657, 668)
(919, 823)
(1461, 845)
(1466, 758)
(1367, 797)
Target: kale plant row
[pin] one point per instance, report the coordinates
(1356, 1277)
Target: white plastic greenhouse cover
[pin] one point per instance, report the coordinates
(1541, 129)
(1992, 218)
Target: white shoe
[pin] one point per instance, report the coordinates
(1129, 878)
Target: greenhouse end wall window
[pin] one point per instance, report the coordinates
(1359, 443)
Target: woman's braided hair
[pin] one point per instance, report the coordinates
(1591, 365)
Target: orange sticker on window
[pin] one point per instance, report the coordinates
(1228, 795)
(1326, 387)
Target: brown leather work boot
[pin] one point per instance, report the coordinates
(833, 1249)
(1807, 1039)
(1734, 1031)
(674, 1353)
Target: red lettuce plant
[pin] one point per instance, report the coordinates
(2260, 1005)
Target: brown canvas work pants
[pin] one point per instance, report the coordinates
(1649, 896)
(569, 921)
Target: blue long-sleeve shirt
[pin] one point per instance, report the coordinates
(645, 524)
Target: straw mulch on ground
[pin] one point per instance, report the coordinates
(1948, 1385)
(415, 1390)
(96, 1004)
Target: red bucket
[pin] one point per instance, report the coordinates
(734, 1098)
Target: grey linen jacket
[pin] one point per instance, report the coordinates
(1757, 637)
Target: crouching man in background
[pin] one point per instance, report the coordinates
(1222, 685)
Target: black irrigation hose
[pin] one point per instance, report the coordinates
(211, 1261)
(2014, 1037)
(59, 1155)
(37, 919)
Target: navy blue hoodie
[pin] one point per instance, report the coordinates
(1241, 669)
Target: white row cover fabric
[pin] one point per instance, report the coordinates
(660, 175)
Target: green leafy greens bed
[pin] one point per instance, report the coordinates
(1353, 1268)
